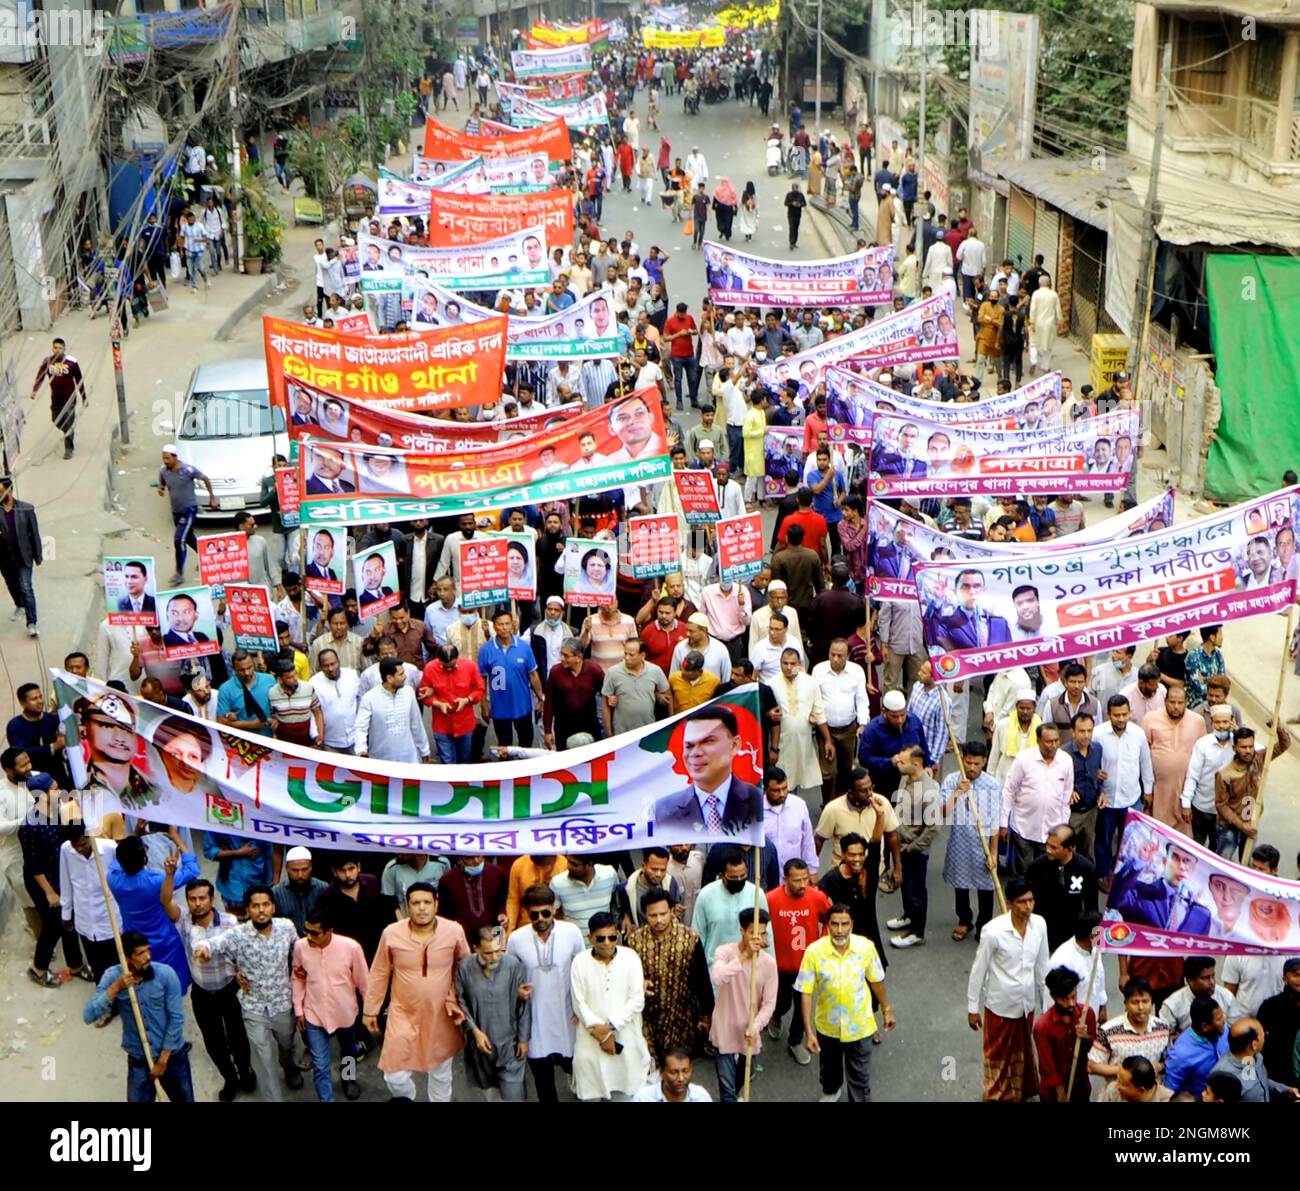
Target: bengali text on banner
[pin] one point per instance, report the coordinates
(451, 145)
(459, 221)
(736, 278)
(853, 400)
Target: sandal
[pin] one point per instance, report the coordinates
(46, 979)
(960, 932)
(887, 885)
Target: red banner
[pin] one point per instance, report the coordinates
(740, 547)
(484, 578)
(654, 546)
(699, 496)
(465, 220)
(251, 620)
(354, 324)
(417, 370)
(223, 558)
(449, 145)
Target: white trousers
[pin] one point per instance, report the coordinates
(402, 1083)
(647, 191)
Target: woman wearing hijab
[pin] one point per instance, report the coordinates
(749, 211)
(725, 203)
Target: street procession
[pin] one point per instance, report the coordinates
(699, 552)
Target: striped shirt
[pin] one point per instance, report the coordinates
(1117, 1040)
(211, 975)
(578, 901)
(293, 707)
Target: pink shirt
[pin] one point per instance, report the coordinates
(1139, 704)
(731, 1005)
(1036, 796)
(727, 618)
(326, 981)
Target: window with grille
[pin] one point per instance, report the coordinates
(1266, 64)
(1200, 61)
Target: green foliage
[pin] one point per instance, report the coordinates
(393, 36)
(324, 157)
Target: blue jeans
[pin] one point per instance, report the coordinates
(1230, 843)
(731, 1075)
(18, 579)
(853, 214)
(454, 750)
(176, 1080)
(687, 365)
(196, 262)
(1109, 823)
(318, 1042)
(184, 536)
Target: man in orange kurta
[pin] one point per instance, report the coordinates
(526, 872)
(1172, 734)
(418, 956)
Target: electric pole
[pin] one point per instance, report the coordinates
(922, 202)
(1150, 213)
(817, 118)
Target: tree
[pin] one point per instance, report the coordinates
(392, 36)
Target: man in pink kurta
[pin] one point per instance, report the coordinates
(731, 973)
(1172, 734)
(418, 956)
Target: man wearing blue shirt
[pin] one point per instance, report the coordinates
(885, 737)
(158, 992)
(509, 669)
(1198, 1049)
(243, 701)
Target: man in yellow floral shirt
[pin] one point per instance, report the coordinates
(838, 1016)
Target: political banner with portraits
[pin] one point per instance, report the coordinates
(741, 547)
(431, 370)
(453, 177)
(130, 590)
(465, 220)
(631, 791)
(188, 622)
(316, 414)
(223, 558)
(374, 579)
(782, 453)
(501, 175)
(521, 565)
(737, 278)
(286, 492)
(615, 446)
(853, 399)
(1051, 605)
(921, 332)
(516, 259)
(483, 571)
(540, 64)
(698, 493)
(402, 198)
(654, 547)
(251, 620)
(916, 457)
(590, 572)
(897, 545)
(579, 115)
(327, 548)
(1171, 896)
(448, 144)
(354, 324)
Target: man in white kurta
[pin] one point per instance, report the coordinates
(547, 948)
(389, 726)
(607, 984)
(1044, 317)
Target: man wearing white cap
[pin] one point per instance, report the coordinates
(1013, 732)
(778, 600)
(545, 636)
(885, 738)
(716, 658)
(298, 890)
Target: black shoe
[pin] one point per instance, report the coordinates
(228, 1090)
(248, 1082)
(1109, 500)
(293, 1079)
(67, 452)
(351, 1089)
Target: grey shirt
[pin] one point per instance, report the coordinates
(180, 486)
(636, 695)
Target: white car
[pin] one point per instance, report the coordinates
(231, 434)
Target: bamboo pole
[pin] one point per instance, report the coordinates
(1083, 1017)
(121, 954)
(753, 980)
(990, 859)
(1277, 727)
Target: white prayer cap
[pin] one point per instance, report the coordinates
(1026, 695)
(707, 442)
(170, 449)
(777, 585)
(893, 701)
(298, 853)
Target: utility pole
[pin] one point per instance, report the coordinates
(117, 315)
(920, 157)
(236, 163)
(817, 118)
(1151, 210)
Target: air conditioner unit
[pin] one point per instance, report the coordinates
(36, 132)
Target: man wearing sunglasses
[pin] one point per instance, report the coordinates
(547, 947)
(610, 1058)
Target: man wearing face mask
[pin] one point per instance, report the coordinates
(547, 635)
(716, 918)
(1209, 754)
(729, 609)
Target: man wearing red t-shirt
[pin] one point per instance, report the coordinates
(798, 910)
(866, 141)
(814, 524)
(679, 329)
(661, 635)
(626, 160)
(815, 424)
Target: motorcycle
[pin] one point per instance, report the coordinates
(691, 104)
(774, 158)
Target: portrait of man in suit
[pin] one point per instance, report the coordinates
(326, 469)
(135, 576)
(1167, 902)
(893, 560)
(304, 410)
(901, 460)
(715, 800)
(373, 588)
(322, 555)
(182, 612)
(969, 625)
(722, 275)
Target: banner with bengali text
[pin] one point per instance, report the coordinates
(448, 144)
(852, 399)
(736, 278)
(539, 64)
(741, 547)
(710, 38)
(631, 791)
(515, 259)
(459, 220)
(577, 114)
(251, 619)
(1050, 605)
(654, 547)
(456, 177)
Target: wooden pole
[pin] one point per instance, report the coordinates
(753, 979)
(1083, 1017)
(990, 859)
(121, 954)
(1277, 727)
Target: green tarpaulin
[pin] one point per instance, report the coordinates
(1255, 328)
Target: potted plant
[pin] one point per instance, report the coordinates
(263, 226)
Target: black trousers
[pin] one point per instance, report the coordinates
(222, 1026)
(51, 931)
(1205, 828)
(787, 998)
(101, 954)
(985, 899)
(506, 731)
(543, 1070)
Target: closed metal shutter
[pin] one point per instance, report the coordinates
(1047, 233)
(1088, 287)
(1020, 228)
